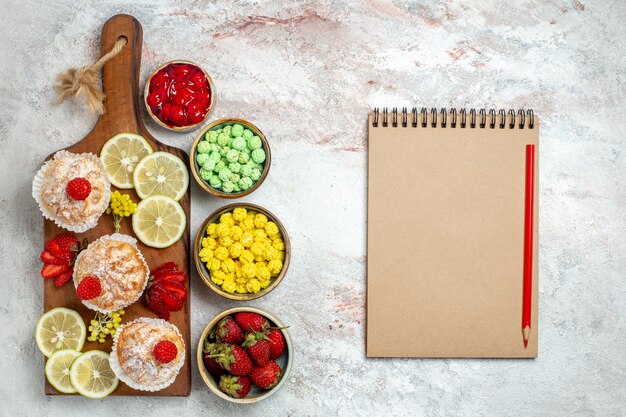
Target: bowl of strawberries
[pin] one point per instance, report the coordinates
(245, 354)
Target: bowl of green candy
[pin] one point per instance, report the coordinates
(230, 158)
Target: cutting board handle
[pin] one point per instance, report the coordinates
(120, 76)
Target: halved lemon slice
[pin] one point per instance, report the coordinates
(159, 221)
(58, 370)
(92, 376)
(161, 173)
(120, 155)
(60, 328)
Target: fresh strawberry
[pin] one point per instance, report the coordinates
(249, 321)
(62, 279)
(266, 377)
(277, 343)
(52, 271)
(89, 288)
(235, 386)
(78, 188)
(228, 331)
(49, 258)
(154, 302)
(210, 353)
(258, 350)
(235, 360)
(165, 351)
(63, 246)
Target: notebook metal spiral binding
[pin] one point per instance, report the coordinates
(511, 116)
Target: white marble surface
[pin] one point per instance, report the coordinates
(307, 73)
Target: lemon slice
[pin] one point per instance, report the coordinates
(92, 376)
(159, 221)
(161, 173)
(58, 370)
(60, 328)
(120, 155)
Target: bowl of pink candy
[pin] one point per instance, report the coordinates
(179, 96)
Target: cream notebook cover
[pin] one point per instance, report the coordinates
(446, 207)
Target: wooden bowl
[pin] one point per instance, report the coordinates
(195, 168)
(205, 274)
(256, 394)
(181, 129)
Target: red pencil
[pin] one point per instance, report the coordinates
(528, 242)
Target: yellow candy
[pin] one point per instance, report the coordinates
(241, 280)
(229, 287)
(222, 230)
(209, 242)
(221, 253)
(260, 220)
(264, 284)
(236, 249)
(225, 241)
(241, 289)
(270, 253)
(228, 265)
(236, 232)
(271, 229)
(214, 265)
(246, 239)
(227, 219)
(247, 224)
(263, 273)
(246, 256)
(259, 235)
(211, 230)
(218, 277)
(206, 253)
(248, 270)
(275, 266)
(278, 244)
(253, 286)
(256, 249)
(239, 213)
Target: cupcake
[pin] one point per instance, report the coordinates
(147, 354)
(72, 190)
(111, 273)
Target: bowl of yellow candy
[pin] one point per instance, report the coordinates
(242, 251)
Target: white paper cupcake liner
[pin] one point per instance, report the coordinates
(118, 237)
(117, 368)
(90, 222)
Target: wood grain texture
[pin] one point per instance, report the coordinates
(120, 83)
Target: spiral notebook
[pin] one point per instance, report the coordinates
(446, 222)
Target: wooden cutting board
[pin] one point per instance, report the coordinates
(121, 85)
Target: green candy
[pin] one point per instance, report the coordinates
(228, 187)
(219, 130)
(245, 183)
(232, 155)
(224, 150)
(215, 157)
(236, 187)
(222, 139)
(245, 171)
(254, 143)
(244, 157)
(205, 174)
(215, 147)
(247, 134)
(225, 174)
(226, 129)
(238, 143)
(236, 130)
(201, 158)
(204, 146)
(220, 165)
(234, 177)
(255, 174)
(258, 155)
(215, 181)
(211, 136)
(234, 167)
(209, 165)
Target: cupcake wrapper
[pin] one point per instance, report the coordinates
(90, 222)
(118, 237)
(117, 368)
